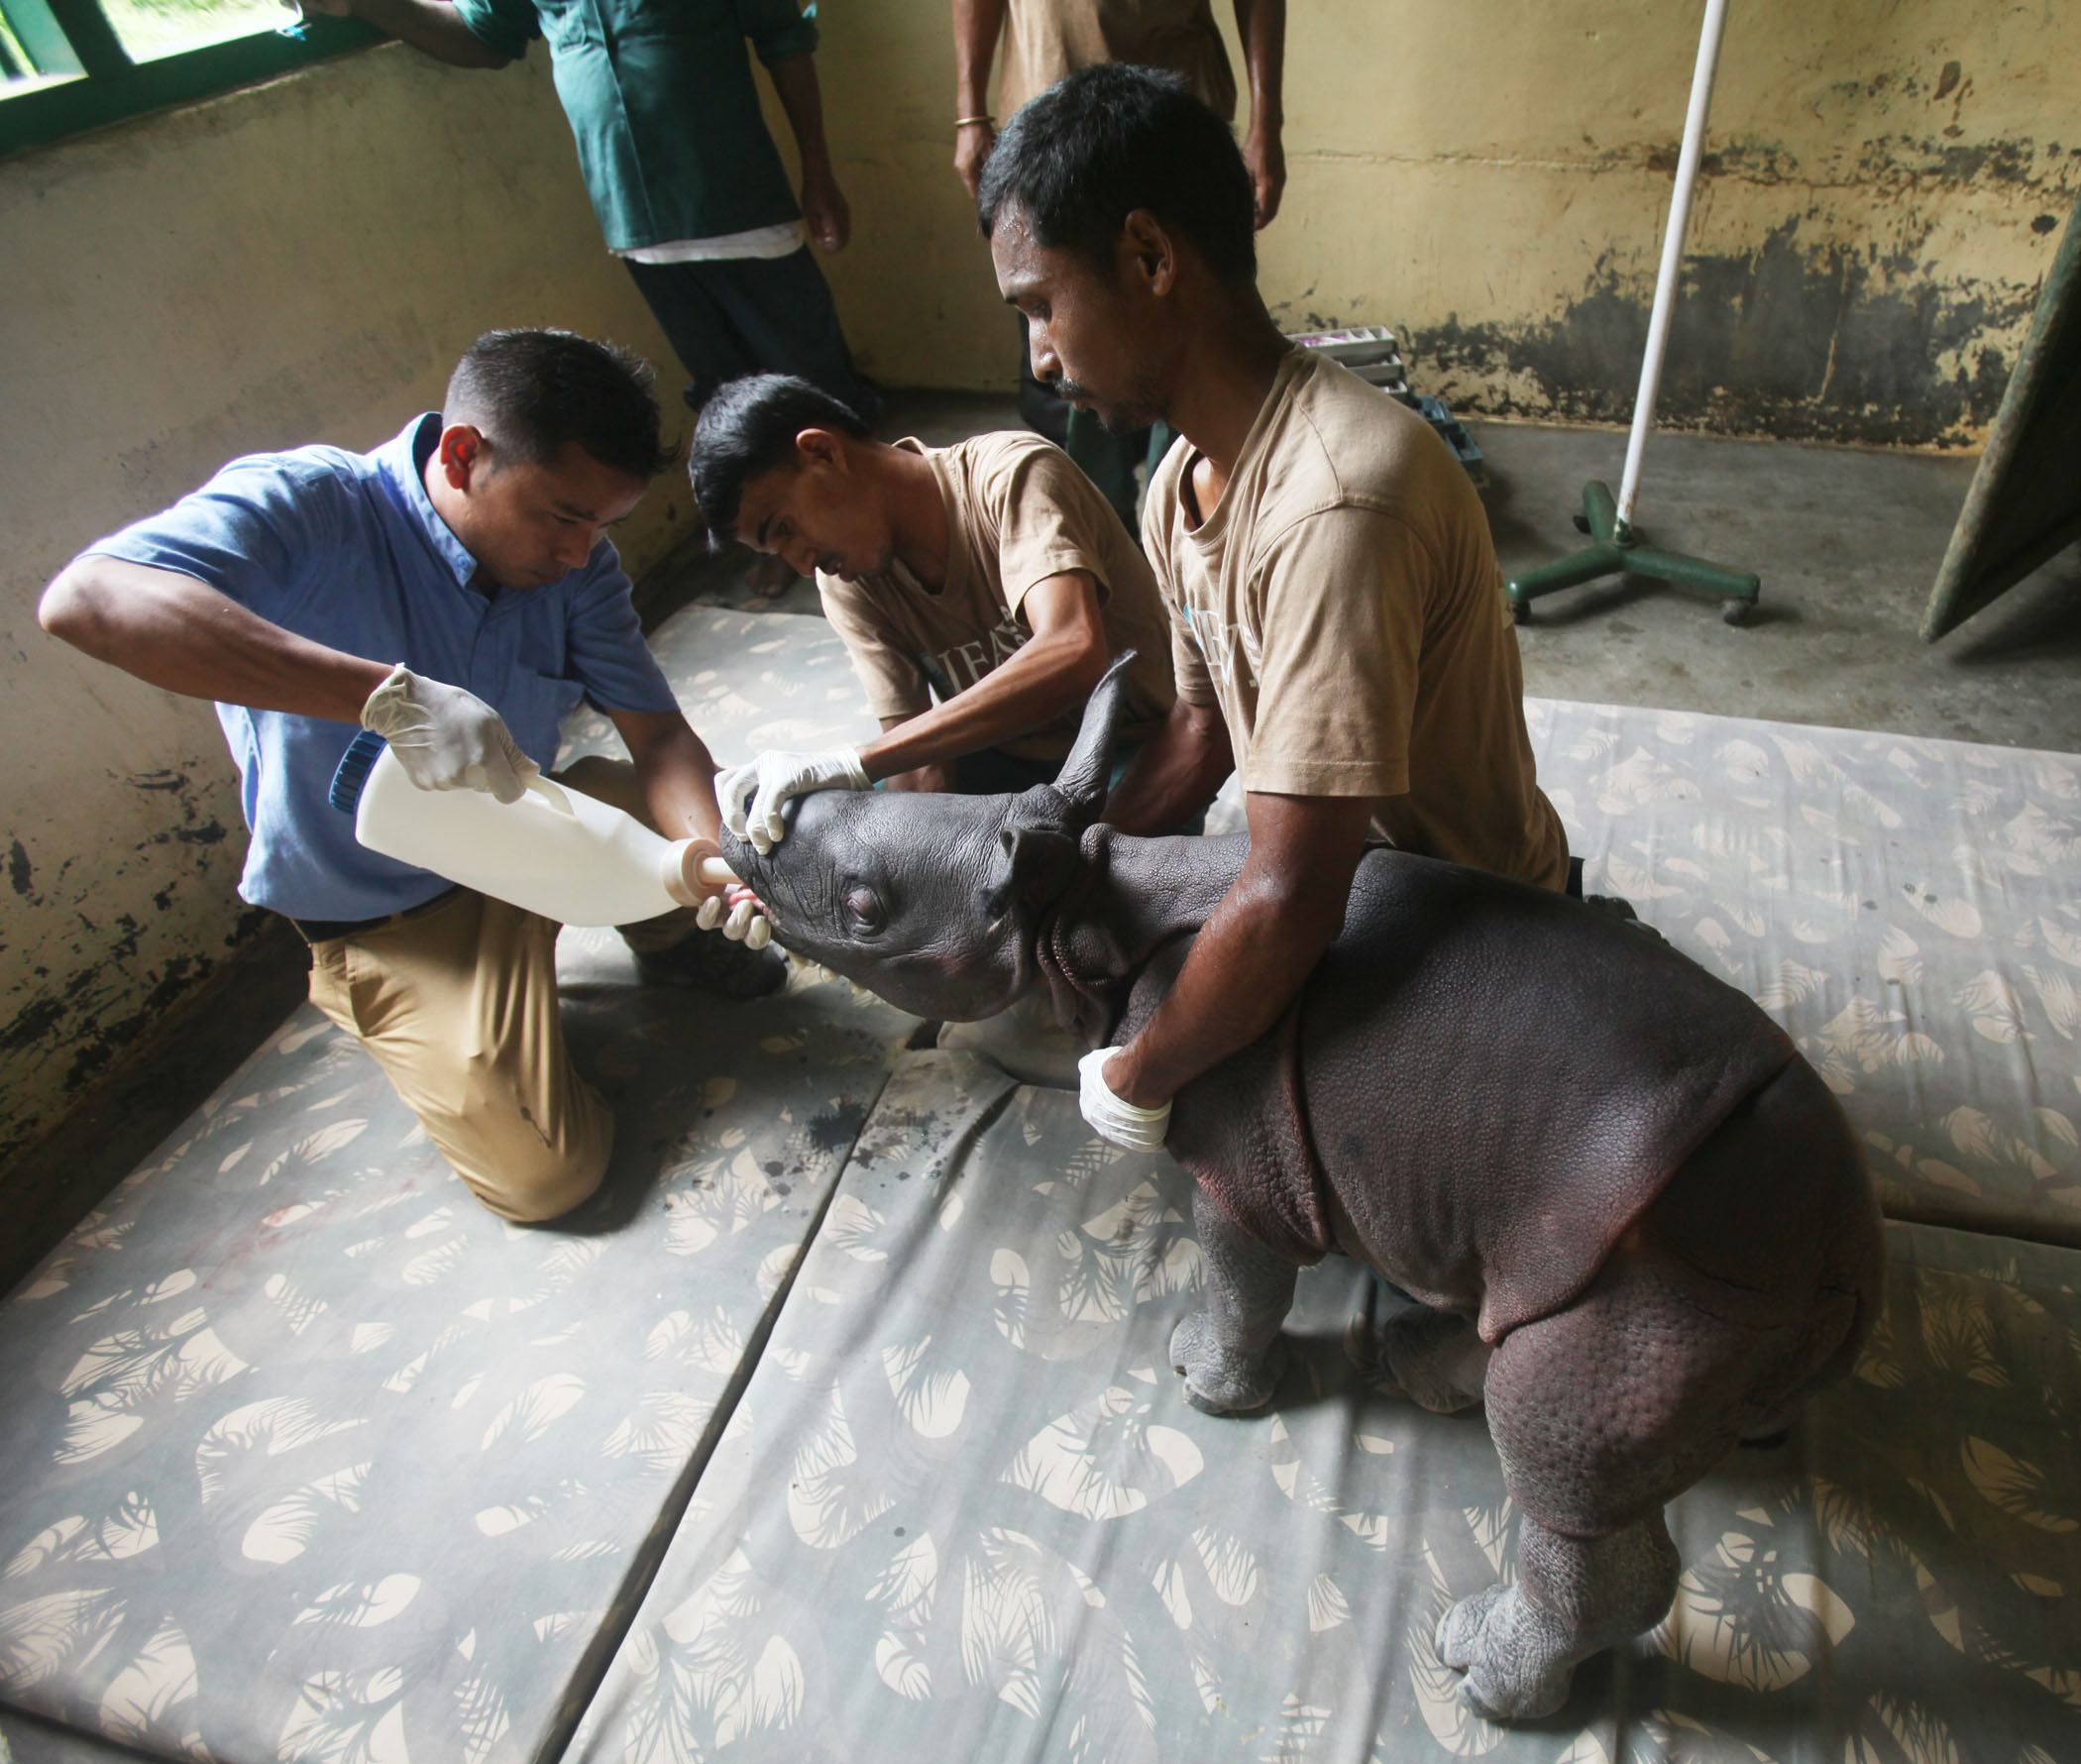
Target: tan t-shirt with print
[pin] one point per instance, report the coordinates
(1343, 607)
(1045, 40)
(1018, 511)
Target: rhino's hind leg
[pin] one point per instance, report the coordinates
(1608, 1409)
(1436, 1358)
(1575, 1596)
(1228, 1350)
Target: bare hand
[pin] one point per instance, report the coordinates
(824, 211)
(973, 145)
(1265, 159)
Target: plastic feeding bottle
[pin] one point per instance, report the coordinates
(556, 851)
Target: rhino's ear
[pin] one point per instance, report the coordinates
(1042, 862)
(1089, 770)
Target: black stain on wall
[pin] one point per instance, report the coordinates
(105, 1005)
(1821, 344)
(1795, 339)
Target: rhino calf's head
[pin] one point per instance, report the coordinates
(934, 901)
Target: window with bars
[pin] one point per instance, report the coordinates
(72, 65)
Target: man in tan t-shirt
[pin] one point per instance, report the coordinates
(1045, 40)
(1343, 639)
(991, 576)
(1341, 609)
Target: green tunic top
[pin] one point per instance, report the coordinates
(662, 104)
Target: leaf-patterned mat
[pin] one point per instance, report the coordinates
(963, 1512)
(749, 681)
(309, 1457)
(1909, 910)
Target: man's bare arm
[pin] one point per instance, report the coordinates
(674, 771)
(1176, 774)
(977, 25)
(1053, 671)
(1259, 948)
(428, 25)
(925, 778)
(176, 632)
(823, 207)
(1262, 25)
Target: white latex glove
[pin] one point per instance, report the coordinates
(447, 739)
(746, 921)
(1116, 1122)
(753, 795)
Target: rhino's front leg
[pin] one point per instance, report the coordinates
(1228, 1350)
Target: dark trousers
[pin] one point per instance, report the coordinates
(755, 315)
(1107, 459)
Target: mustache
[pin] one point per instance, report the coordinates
(1065, 388)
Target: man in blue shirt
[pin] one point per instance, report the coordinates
(472, 548)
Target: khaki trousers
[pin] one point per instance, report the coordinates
(457, 1002)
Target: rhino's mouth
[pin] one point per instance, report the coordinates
(786, 911)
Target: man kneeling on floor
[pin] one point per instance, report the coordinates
(991, 575)
(473, 545)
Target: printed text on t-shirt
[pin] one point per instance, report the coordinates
(966, 663)
(1220, 644)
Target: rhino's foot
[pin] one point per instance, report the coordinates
(1518, 1661)
(1519, 1645)
(1219, 1380)
(1434, 1359)
(1460, 1630)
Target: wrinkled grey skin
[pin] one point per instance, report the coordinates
(1638, 1224)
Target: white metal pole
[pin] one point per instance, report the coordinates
(1672, 255)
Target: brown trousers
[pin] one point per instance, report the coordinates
(457, 1002)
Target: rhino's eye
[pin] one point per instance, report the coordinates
(863, 908)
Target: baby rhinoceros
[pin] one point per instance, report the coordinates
(1640, 1222)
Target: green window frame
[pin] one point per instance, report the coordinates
(98, 83)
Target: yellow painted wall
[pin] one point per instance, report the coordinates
(300, 262)
(1491, 178)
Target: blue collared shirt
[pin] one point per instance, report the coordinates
(346, 549)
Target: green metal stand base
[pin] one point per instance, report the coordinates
(1617, 550)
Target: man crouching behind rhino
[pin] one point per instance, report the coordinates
(1640, 1220)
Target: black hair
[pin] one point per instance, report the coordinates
(1113, 138)
(535, 392)
(748, 426)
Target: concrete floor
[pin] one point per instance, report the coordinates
(1847, 543)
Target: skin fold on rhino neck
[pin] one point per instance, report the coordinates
(1133, 897)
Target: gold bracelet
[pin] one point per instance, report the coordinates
(962, 122)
